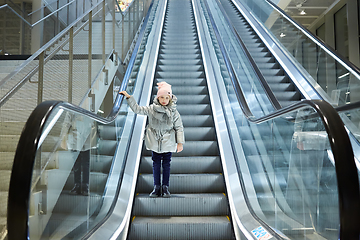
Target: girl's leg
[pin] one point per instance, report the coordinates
(166, 167)
(156, 173)
(156, 168)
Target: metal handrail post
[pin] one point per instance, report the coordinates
(122, 37)
(138, 13)
(113, 26)
(103, 31)
(71, 59)
(41, 77)
(90, 49)
(129, 27)
(57, 23)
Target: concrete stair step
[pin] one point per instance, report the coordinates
(6, 159)
(11, 128)
(5, 179)
(3, 202)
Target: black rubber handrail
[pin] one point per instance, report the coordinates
(22, 170)
(345, 167)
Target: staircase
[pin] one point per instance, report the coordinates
(198, 207)
(15, 112)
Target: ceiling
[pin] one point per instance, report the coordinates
(313, 9)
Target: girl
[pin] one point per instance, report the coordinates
(164, 133)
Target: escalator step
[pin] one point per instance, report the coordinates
(181, 165)
(214, 227)
(185, 183)
(214, 204)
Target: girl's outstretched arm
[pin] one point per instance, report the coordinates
(134, 106)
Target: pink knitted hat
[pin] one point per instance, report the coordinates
(164, 89)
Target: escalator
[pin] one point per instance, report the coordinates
(234, 179)
(198, 205)
(279, 81)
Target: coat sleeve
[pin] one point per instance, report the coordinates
(179, 129)
(136, 108)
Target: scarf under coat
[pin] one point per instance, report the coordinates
(164, 113)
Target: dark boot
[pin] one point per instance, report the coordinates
(85, 190)
(76, 189)
(156, 192)
(165, 191)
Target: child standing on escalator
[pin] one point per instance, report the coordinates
(164, 134)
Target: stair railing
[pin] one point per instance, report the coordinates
(36, 65)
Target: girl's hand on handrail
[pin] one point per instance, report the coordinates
(125, 94)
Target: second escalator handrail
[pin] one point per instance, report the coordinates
(346, 171)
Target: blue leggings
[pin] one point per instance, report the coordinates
(166, 158)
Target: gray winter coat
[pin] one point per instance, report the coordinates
(165, 129)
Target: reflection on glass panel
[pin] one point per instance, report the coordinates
(311, 191)
(70, 175)
(292, 174)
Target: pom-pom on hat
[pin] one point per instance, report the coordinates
(164, 89)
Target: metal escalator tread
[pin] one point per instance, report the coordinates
(272, 71)
(198, 207)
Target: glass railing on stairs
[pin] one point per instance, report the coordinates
(294, 163)
(25, 31)
(69, 164)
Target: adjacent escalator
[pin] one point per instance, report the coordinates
(280, 83)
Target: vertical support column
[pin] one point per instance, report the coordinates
(41, 78)
(353, 38)
(103, 32)
(129, 29)
(91, 95)
(67, 13)
(122, 38)
(22, 31)
(352, 13)
(71, 52)
(144, 10)
(90, 50)
(37, 31)
(330, 40)
(113, 26)
(132, 16)
(57, 22)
